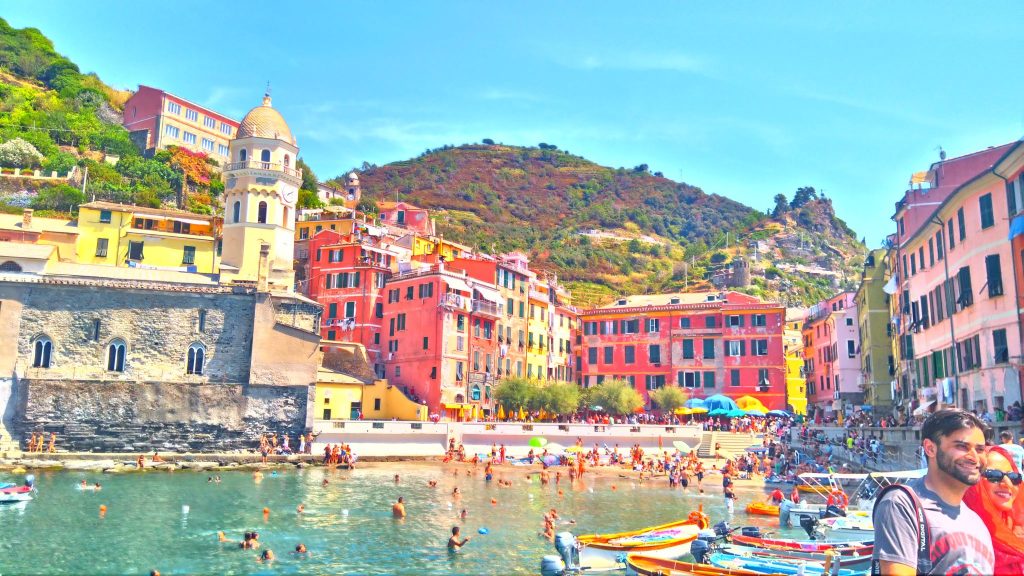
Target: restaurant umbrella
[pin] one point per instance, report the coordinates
(755, 412)
(718, 412)
(538, 442)
(695, 403)
(522, 413)
(683, 411)
(698, 410)
(501, 412)
(736, 413)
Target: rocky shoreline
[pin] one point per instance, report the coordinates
(125, 463)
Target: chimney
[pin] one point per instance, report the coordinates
(26, 219)
(264, 268)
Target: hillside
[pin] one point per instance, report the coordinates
(608, 231)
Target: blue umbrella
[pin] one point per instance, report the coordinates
(718, 412)
(720, 401)
(754, 412)
(781, 413)
(695, 403)
(736, 413)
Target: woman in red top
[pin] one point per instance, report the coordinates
(996, 498)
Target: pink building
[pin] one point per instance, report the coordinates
(958, 320)
(158, 119)
(832, 356)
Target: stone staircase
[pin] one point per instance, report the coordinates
(735, 443)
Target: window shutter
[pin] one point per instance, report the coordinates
(741, 321)
(743, 347)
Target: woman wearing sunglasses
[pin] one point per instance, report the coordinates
(998, 499)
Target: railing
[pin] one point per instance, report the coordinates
(455, 301)
(271, 166)
(486, 307)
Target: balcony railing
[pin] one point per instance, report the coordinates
(270, 166)
(488, 308)
(455, 301)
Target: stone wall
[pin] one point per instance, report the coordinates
(118, 416)
(158, 326)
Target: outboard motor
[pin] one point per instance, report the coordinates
(699, 549)
(30, 481)
(568, 559)
(785, 514)
(834, 512)
(809, 524)
(751, 531)
(722, 528)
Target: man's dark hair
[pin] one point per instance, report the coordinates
(455, 530)
(1006, 436)
(945, 422)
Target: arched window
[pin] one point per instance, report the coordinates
(42, 349)
(236, 211)
(10, 266)
(242, 155)
(115, 355)
(265, 158)
(475, 393)
(196, 359)
(262, 214)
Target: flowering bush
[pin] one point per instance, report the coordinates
(19, 154)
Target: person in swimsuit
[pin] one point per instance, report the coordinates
(454, 544)
(398, 508)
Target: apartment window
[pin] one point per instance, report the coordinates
(913, 264)
(135, 250)
(460, 323)
(709, 349)
(684, 322)
(759, 347)
(961, 221)
(655, 381)
(630, 352)
(940, 249)
(759, 320)
(171, 131)
(201, 324)
(653, 325)
(225, 128)
(223, 150)
(191, 115)
(687, 379)
(851, 349)
(426, 290)
(629, 326)
(101, 247)
(949, 233)
(400, 318)
(207, 144)
(1011, 198)
(734, 377)
(188, 138)
(104, 216)
(734, 321)
(709, 379)
(654, 353)
(209, 122)
(987, 216)
(188, 255)
(709, 322)
(592, 356)
(589, 328)
(522, 309)
(42, 350)
(608, 354)
(115, 355)
(965, 294)
(735, 348)
(931, 252)
(196, 360)
(994, 275)
(762, 377)
(261, 213)
(903, 228)
(999, 347)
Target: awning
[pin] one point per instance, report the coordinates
(457, 284)
(489, 294)
(190, 220)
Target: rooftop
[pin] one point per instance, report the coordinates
(14, 222)
(265, 122)
(147, 211)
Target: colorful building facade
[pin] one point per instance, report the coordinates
(832, 356)
(158, 119)
(878, 365)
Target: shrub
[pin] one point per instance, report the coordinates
(19, 154)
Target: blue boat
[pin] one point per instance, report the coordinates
(770, 566)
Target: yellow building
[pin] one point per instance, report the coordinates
(25, 228)
(538, 338)
(793, 345)
(135, 236)
(347, 389)
(309, 222)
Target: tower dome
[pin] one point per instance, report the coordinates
(265, 122)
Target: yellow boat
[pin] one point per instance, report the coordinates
(762, 509)
(815, 489)
(670, 540)
(645, 565)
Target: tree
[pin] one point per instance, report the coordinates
(616, 396)
(668, 398)
(60, 198)
(781, 206)
(488, 142)
(513, 393)
(803, 195)
(309, 180)
(309, 199)
(559, 398)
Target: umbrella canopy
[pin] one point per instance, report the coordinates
(698, 410)
(736, 413)
(719, 401)
(538, 442)
(683, 411)
(550, 459)
(695, 403)
(682, 446)
(750, 403)
(522, 413)
(574, 449)
(718, 412)
(501, 412)
(755, 412)
(554, 447)
(781, 413)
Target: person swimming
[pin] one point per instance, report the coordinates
(300, 548)
(454, 544)
(267, 556)
(398, 508)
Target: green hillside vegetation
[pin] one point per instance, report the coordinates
(604, 231)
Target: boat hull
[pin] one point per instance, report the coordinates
(762, 509)
(859, 562)
(645, 565)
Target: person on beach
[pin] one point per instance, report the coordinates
(398, 508)
(923, 526)
(157, 458)
(730, 499)
(996, 498)
(53, 443)
(140, 462)
(454, 544)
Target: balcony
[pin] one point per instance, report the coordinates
(266, 167)
(487, 308)
(454, 301)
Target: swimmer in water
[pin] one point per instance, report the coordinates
(221, 537)
(300, 548)
(325, 482)
(432, 483)
(454, 544)
(398, 508)
(84, 485)
(97, 487)
(396, 478)
(267, 556)
(300, 509)
(463, 514)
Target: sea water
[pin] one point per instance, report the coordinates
(169, 521)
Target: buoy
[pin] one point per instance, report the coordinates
(613, 487)
(266, 512)
(494, 500)
(483, 530)
(103, 510)
(344, 512)
(184, 508)
(559, 492)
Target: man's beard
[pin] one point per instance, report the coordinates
(948, 465)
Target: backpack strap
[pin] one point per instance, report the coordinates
(924, 536)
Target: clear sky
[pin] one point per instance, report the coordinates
(743, 99)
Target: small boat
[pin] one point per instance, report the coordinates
(670, 540)
(762, 509)
(12, 494)
(765, 565)
(841, 548)
(861, 562)
(645, 565)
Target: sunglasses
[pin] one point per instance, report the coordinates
(996, 476)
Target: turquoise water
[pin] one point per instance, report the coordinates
(61, 531)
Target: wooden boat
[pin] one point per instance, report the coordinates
(840, 548)
(762, 509)
(645, 565)
(670, 540)
(824, 490)
(767, 565)
(860, 562)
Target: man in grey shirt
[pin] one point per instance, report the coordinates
(958, 541)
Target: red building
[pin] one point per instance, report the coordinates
(348, 279)
(157, 119)
(706, 343)
(407, 216)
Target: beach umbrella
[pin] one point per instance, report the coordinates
(780, 413)
(719, 401)
(718, 412)
(538, 442)
(735, 413)
(695, 403)
(550, 460)
(683, 411)
(698, 410)
(522, 413)
(554, 447)
(755, 412)
(574, 449)
(750, 403)
(501, 412)
(682, 446)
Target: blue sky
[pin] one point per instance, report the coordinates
(745, 99)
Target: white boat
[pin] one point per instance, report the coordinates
(12, 494)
